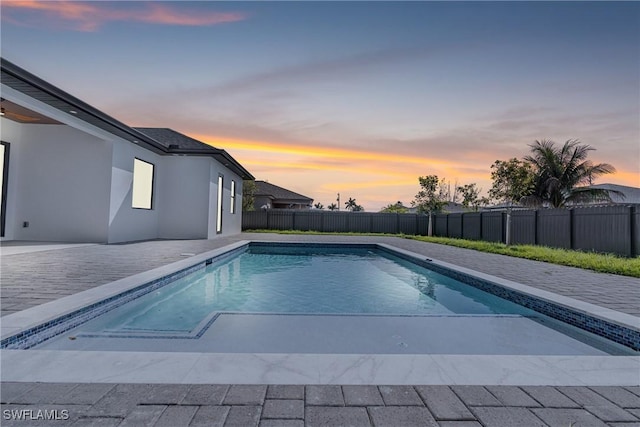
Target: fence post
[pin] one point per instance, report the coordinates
(430, 225)
(293, 220)
(572, 233)
(446, 221)
(507, 232)
(633, 210)
(535, 227)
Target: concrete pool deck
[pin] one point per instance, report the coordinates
(33, 278)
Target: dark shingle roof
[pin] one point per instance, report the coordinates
(168, 137)
(264, 188)
(178, 143)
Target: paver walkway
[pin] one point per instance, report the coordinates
(176, 405)
(31, 279)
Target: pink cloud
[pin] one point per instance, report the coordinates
(83, 16)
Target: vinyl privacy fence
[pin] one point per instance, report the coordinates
(612, 229)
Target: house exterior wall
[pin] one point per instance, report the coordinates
(58, 182)
(183, 197)
(73, 183)
(11, 132)
(231, 223)
(127, 224)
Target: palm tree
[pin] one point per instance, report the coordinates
(351, 204)
(563, 174)
(319, 206)
(332, 207)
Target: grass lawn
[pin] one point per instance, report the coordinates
(603, 263)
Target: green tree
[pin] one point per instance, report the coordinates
(512, 180)
(397, 207)
(563, 174)
(319, 206)
(432, 196)
(248, 191)
(332, 207)
(470, 196)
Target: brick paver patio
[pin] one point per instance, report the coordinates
(296, 405)
(31, 279)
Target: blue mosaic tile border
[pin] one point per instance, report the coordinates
(33, 336)
(314, 245)
(609, 330)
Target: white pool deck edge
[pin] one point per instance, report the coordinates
(226, 368)
(344, 369)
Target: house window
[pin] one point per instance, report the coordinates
(4, 173)
(219, 213)
(233, 197)
(142, 196)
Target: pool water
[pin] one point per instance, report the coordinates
(314, 299)
(297, 280)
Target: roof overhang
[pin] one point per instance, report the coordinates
(33, 86)
(221, 156)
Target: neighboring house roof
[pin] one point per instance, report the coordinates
(454, 207)
(504, 206)
(275, 192)
(631, 194)
(22, 81)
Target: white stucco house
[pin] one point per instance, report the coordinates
(71, 173)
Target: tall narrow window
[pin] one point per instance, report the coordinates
(142, 196)
(4, 174)
(219, 213)
(233, 197)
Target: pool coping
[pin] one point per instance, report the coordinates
(19, 365)
(345, 369)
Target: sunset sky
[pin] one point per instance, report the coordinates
(356, 98)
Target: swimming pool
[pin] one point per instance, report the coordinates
(277, 298)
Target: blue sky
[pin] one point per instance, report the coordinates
(359, 98)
